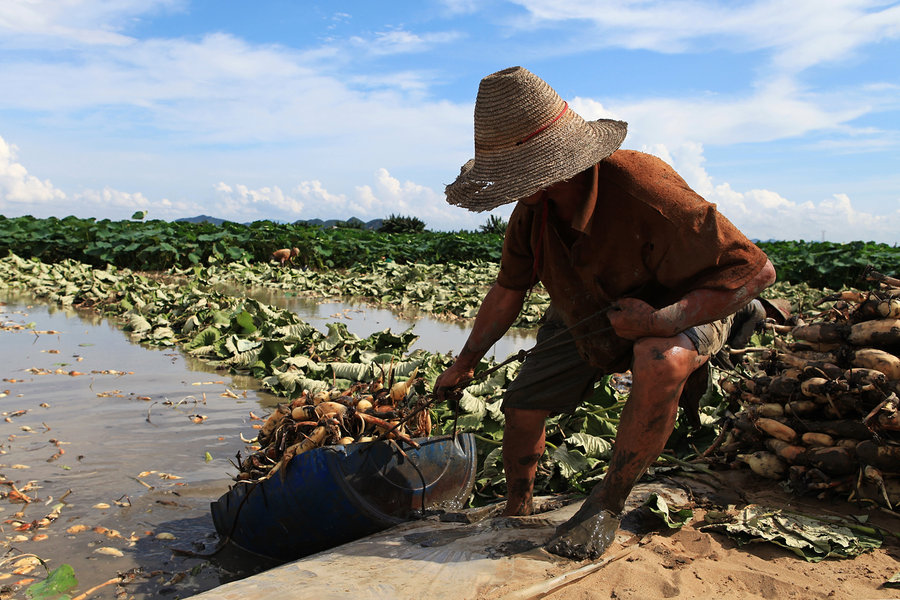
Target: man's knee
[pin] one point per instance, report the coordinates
(746, 322)
(665, 359)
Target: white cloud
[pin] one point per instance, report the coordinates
(116, 204)
(765, 214)
(17, 187)
(385, 196)
(314, 193)
(772, 112)
(221, 89)
(111, 198)
(799, 34)
(241, 203)
(759, 213)
(24, 194)
(76, 21)
(401, 41)
(456, 7)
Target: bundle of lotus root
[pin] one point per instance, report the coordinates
(821, 408)
(363, 413)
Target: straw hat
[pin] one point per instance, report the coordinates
(527, 138)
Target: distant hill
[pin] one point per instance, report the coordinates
(202, 219)
(373, 224)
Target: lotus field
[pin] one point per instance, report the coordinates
(161, 283)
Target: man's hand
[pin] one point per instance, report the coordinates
(450, 379)
(633, 319)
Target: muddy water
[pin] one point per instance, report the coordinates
(135, 461)
(134, 440)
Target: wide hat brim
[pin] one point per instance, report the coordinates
(568, 147)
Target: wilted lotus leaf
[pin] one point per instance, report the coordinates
(811, 538)
(77, 529)
(673, 519)
(25, 565)
(110, 533)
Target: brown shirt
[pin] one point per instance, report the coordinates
(642, 233)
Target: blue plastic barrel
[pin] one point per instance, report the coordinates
(336, 494)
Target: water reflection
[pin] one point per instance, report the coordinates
(128, 439)
(362, 319)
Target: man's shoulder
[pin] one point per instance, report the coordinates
(521, 213)
(631, 163)
(641, 174)
(520, 219)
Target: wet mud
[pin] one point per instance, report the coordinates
(586, 535)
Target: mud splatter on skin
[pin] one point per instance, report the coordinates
(620, 459)
(657, 421)
(520, 488)
(614, 488)
(531, 459)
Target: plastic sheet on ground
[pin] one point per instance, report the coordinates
(493, 558)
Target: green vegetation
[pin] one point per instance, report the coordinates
(494, 225)
(398, 224)
(160, 245)
(826, 264)
(449, 291)
(352, 223)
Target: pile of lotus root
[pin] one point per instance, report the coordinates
(365, 412)
(820, 410)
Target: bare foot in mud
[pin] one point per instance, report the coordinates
(586, 535)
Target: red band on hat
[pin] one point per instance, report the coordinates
(537, 131)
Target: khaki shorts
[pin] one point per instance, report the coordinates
(558, 379)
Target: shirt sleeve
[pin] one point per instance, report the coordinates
(517, 260)
(702, 248)
(709, 253)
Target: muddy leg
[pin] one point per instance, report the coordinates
(523, 446)
(660, 368)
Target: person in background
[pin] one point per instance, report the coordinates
(642, 273)
(285, 255)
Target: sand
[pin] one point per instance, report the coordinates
(691, 563)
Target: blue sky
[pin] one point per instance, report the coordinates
(784, 113)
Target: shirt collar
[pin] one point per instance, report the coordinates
(581, 221)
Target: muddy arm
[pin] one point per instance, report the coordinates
(636, 319)
(498, 312)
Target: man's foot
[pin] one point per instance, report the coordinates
(586, 535)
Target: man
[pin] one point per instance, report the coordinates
(642, 274)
